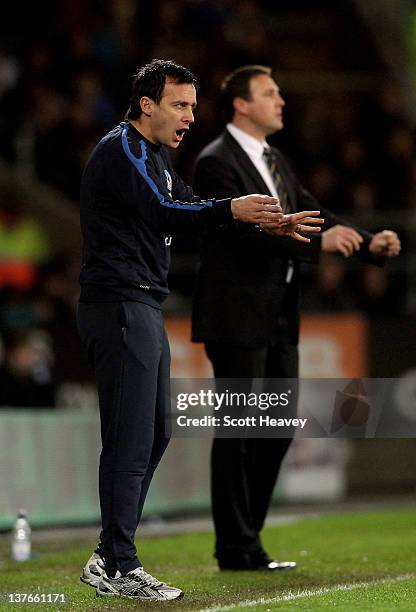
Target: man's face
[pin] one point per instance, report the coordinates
(264, 109)
(172, 117)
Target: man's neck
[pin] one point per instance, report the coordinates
(249, 128)
(143, 128)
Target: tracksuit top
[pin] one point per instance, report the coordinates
(131, 199)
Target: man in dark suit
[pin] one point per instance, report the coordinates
(246, 307)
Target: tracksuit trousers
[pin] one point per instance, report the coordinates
(128, 347)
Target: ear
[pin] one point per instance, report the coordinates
(147, 106)
(240, 105)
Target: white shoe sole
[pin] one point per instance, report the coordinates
(112, 594)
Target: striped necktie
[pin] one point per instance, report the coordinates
(271, 162)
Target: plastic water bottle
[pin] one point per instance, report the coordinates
(21, 544)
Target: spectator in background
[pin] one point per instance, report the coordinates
(332, 275)
(56, 143)
(324, 184)
(17, 309)
(55, 305)
(25, 381)
(395, 176)
(93, 111)
(24, 246)
(9, 106)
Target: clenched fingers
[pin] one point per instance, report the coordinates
(350, 237)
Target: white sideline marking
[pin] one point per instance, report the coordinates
(290, 596)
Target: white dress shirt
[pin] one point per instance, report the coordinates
(254, 149)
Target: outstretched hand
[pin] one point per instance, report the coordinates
(256, 209)
(294, 224)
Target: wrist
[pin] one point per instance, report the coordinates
(234, 209)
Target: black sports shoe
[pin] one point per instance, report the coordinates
(262, 561)
(137, 584)
(254, 561)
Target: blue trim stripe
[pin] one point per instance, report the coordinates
(140, 165)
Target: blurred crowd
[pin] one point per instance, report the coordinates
(64, 82)
(39, 347)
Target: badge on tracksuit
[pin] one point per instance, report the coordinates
(168, 239)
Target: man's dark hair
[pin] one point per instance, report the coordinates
(237, 85)
(150, 81)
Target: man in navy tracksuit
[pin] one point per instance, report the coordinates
(131, 199)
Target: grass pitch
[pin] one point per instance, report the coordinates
(348, 562)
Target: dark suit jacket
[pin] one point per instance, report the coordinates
(241, 288)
